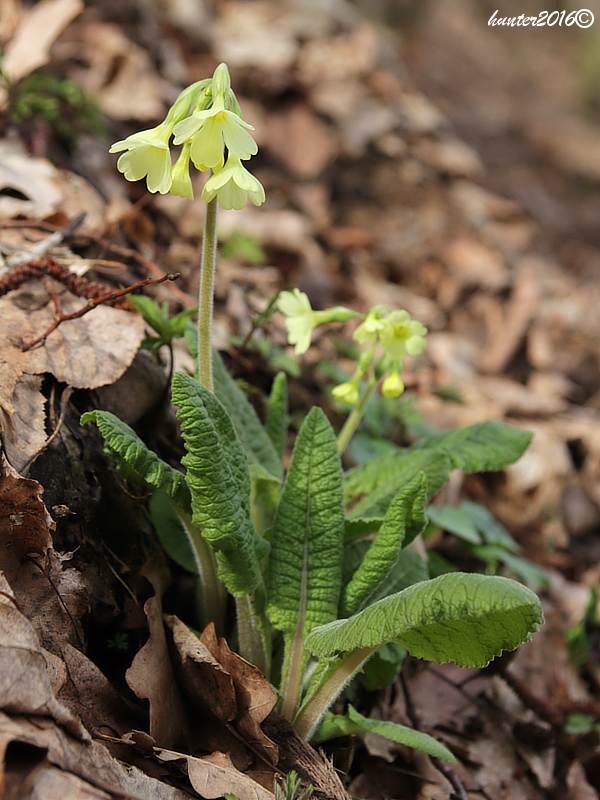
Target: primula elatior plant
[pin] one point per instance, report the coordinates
(317, 560)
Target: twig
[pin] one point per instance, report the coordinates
(108, 298)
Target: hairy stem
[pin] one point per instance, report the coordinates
(254, 639)
(311, 713)
(206, 295)
(213, 598)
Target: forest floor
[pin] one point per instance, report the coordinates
(418, 158)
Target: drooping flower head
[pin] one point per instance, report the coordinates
(206, 120)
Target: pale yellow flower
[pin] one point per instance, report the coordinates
(233, 185)
(368, 331)
(392, 385)
(182, 182)
(300, 319)
(211, 131)
(401, 335)
(147, 156)
(347, 392)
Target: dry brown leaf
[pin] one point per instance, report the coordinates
(37, 31)
(53, 598)
(88, 352)
(255, 34)
(214, 775)
(202, 675)
(92, 762)
(254, 695)
(92, 698)
(301, 141)
(24, 521)
(25, 686)
(113, 65)
(150, 676)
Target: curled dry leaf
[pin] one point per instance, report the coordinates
(151, 677)
(254, 695)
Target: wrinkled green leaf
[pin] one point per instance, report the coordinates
(382, 479)
(305, 567)
(468, 619)
(306, 540)
(334, 725)
(485, 447)
(406, 513)
(130, 453)
(219, 480)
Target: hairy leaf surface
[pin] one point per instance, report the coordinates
(405, 514)
(219, 480)
(468, 619)
(138, 462)
(306, 541)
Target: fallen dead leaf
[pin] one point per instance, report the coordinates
(25, 686)
(88, 352)
(38, 29)
(91, 762)
(255, 698)
(151, 677)
(214, 775)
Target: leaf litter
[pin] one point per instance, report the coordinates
(380, 200)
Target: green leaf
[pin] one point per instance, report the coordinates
(492, 530)
(130, 453)
(155, 315)
(468, 619)
(305, 566)
(171, 532)
(277, 414)
(485, 447)
(455, 520)
(383, 667)
(406, 513)
(334, 725)
(258, 446)
(382, 479)
(219, 480)
(306, 541)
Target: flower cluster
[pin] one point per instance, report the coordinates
(393, 331)
(206, 121)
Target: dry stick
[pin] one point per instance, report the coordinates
(441, 766)
(108, 297)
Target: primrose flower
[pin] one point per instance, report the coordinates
(392, 385)
(147, 155)
(233, 185)
(181, 185)
(347, 392)
(212, 129)
(368, 331)
(300, 319)
(401, 335)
